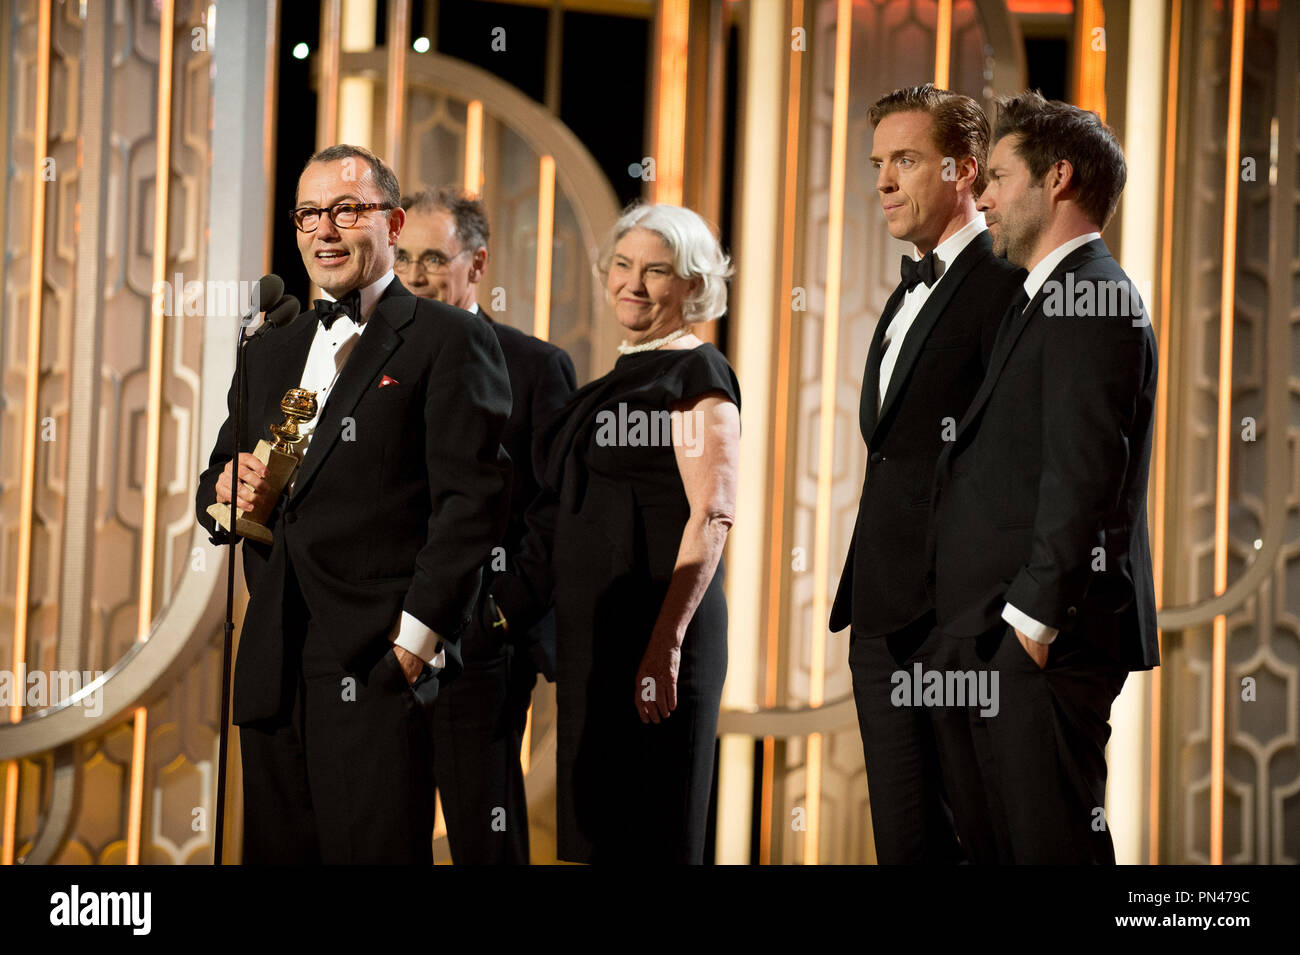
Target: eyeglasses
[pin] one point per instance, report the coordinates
(431, 262)
(344, 215)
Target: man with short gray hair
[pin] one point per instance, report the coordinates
(479, 720)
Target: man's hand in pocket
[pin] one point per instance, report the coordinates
(411, 664)
(1037, 651)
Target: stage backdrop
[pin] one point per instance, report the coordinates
(140, 140)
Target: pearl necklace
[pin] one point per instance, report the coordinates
(626, 349)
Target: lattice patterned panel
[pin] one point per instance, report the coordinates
(60, 171)
(181, 743)
(1261, 819)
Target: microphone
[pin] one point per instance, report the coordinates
(269, 289)
(282, 313)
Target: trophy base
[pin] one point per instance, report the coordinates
(280, 466)
(243, 527)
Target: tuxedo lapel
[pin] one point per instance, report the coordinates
(926, 319)
(395, 309)
(871, 374)
(281, 364)
(1013, 327)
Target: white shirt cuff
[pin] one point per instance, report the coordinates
(413, 636)
(1031, 628)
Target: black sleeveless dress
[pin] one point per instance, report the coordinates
(627, 790)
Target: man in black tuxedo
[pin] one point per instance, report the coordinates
(1041, 556)
(925, 362)
(479, 720)
(355, 611)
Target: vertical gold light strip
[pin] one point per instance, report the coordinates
(1090, 57)
(554, 56)
(331, 38)
(399, 33)
(474, 147)
(157, 322)
(526, 743)
(670, 102)
(943, 44)
(768, 782)
(31, 411)
(826, 433)
(269, 126)
(135, 804)
(780, 432)
(1218, 669)
(712, 90)
(1160, 470)
(11, 812)
(153, 427)
(545, 236)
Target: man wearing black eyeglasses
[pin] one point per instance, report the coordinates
(356, 610)
(479, 720)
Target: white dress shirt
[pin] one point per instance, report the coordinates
(329, 353)
(945, 253)
(1034, 629)
(1044, 269)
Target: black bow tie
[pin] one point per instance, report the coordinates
(914, 272)
(349, 305)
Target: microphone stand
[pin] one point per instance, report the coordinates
(281, 313)
(229, 632)
(227, 650)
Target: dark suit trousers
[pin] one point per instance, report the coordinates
(1030, 781)
(909, 814)
(344, 773)
(478, 728)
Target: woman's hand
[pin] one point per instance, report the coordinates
(656, 680)
(706, 438)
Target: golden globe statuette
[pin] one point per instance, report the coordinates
(281, 458)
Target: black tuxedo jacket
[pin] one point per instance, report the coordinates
(541, 380)
(939, 369)
(399, 500)
(1041, 500)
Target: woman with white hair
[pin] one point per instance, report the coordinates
(640, 467)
